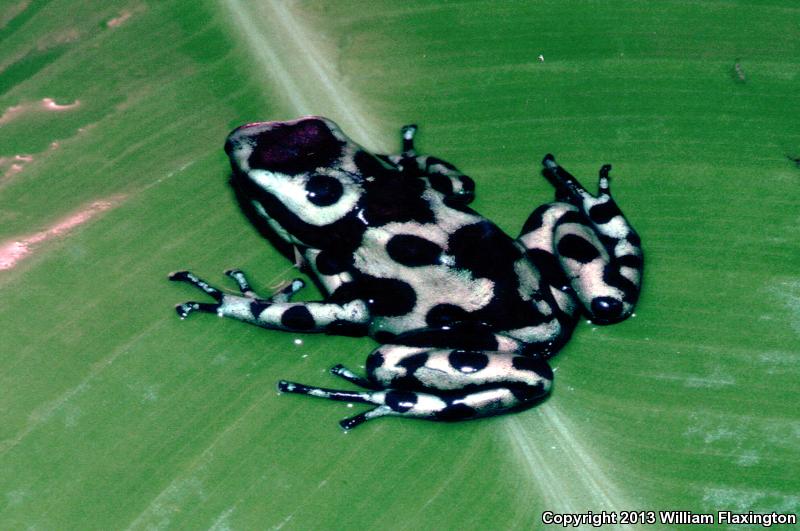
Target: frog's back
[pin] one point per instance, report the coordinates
(440, 266)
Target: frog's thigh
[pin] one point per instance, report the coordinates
(538, 239)
(463, 383)
(538, 230)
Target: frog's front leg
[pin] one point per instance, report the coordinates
(438, 384)
(276, 311)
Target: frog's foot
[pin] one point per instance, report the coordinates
(408, 132)
(186, 308)
(596, 247)
(283, 295)
(438, 384)
(569, 189)
(600, 209)
(388, 402)
(383, 399)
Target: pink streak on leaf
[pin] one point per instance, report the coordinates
(16, 249)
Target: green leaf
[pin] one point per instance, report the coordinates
(115, 414)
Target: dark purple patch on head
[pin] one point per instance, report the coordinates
(296, 148)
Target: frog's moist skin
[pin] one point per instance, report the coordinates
(466, 314)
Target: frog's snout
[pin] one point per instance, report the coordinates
(229, 146)
(235, 136)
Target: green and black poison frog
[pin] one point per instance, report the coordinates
(466, 314)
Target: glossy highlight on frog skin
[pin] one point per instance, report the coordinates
(466, 315)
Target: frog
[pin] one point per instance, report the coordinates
(466, 317)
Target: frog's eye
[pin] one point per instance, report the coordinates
(324, 190)
(295, 148)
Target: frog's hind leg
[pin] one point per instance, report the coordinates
(440, 174)
(594, 245)
(438, 384)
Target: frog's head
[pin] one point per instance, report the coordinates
(299, 176)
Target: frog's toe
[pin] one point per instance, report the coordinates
(183, 310)
(241, 281)
(199, 283)
(343, 372)
(408, 131)
(354, 421)
(295, 285)
(178, 276)
(286, 293)
(338, 369)
(331, 394)
(285, 387)
(282, 295)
